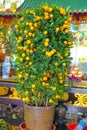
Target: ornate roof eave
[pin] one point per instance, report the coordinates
(75, 6)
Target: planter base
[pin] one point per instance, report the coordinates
(23, 126)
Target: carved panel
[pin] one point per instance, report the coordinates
(12, 110)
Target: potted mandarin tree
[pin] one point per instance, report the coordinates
(42, 49)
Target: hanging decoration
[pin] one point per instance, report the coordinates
(6, 21)
(78, 18)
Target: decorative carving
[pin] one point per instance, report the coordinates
(75, 113)
(9, 92)
(14, 94)
(81, 99)
(12, 110)
(3, 90)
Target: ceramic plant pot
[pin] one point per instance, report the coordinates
(39, 118)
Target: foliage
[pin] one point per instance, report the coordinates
(43, 41)
(4, 125)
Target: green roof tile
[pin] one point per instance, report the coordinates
(74, 4)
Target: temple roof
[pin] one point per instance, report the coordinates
(75, 5)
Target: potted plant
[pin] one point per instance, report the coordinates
(42, 49)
